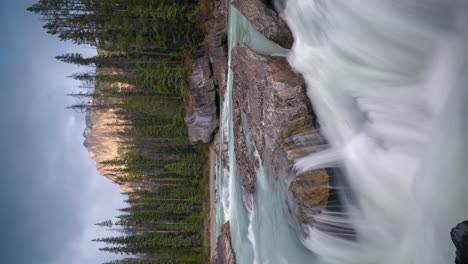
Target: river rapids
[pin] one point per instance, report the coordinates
(388, 81)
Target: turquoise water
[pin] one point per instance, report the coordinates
(261, 226)
(387, 80)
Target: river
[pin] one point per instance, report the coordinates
(387, 80)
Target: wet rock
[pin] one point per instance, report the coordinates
(221, 151)
(245, 159)
(310, 193)
(282, 124)
(266, 21)
(215, 144)
(200, 103)
(216, 43)
(224, 253)
(273, 99)
(459, 236)
(310, 189)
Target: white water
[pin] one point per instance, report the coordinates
(262, 229)
(388, 81)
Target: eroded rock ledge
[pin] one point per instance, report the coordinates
(282, 124)
(224, 253)
(216, 43)
(200, 103)
(208, 79)
(266, 21)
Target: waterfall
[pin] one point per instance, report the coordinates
(388, 81)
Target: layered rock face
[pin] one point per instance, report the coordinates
(266, 21)
(216, 43)
(200, 103)
(209, 76)
(459, 236)
(246, 161)
(224, 253)
(310, 190)
(273, 101)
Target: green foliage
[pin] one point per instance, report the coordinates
(183, 260)
(126, 22)
(140, 74)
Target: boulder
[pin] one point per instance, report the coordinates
(266, 21)
(224, 253)
(271, 98)
(459, 236)
(200, 103)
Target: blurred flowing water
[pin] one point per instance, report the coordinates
(262, 229)
(388, 82)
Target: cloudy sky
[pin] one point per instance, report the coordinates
(50, 193)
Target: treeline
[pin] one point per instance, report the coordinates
(139, 73)
(130, 25)
(162, 225)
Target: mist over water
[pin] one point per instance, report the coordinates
(388, 81)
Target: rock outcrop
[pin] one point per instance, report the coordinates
(459, 236)
(223, 151)
(266, 21)
(245, 158)
(272, 99)
(216, 43)
(200, 103)
(224, 253)
(310, 190)
(208, 79)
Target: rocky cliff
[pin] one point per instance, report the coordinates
(215, 27)
(201, 115)
(208, 79)
(224, 253)
(271, 98)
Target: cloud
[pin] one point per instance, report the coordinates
(50, 192)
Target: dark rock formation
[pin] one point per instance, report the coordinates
(459, 236)
(216, 43)
(281, 121)
(200, 103)
(266, 21)
(224, 253)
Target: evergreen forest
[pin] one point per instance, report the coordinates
(140, 73)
